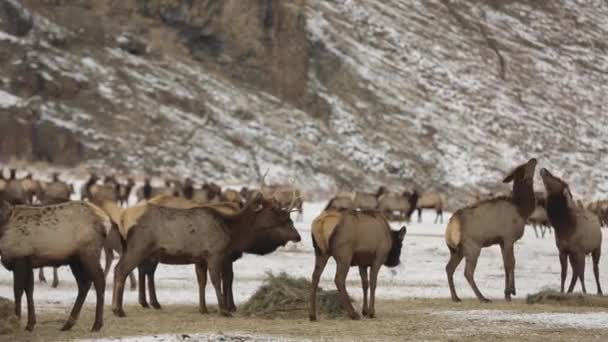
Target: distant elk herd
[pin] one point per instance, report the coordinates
(211, 228)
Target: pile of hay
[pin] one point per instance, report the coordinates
(9, 323)
(568, 299)
(284, 295)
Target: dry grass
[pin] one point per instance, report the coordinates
(567, 299)
(284, 295)
(398, 320)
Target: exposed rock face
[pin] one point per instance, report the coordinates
(14, 18)
(25, 137)
(446, 95)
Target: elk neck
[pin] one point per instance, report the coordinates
(523, 197)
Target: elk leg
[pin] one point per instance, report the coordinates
(455, 258)
(420, 215)
(109, 257)
(55, 282)
(563, 260)
(142, 287)
(469, 273)
(572, 258)
(19, 280)
(215, 272)
(152, 284)
(535, 230)
(29, 296)
(509, 265)
(365, 286)
(41, 276)
(129, 260)
(596, 270)
(132, 281)
(84, 284)
(227, 280)
(342, 267)
(320, 262)
(95, 273)
(580, 264)
(201, 277)
(373, 280)
(543, 231)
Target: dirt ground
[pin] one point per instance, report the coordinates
(398, 320)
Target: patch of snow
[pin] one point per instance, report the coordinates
(555, 320)
(8, 100)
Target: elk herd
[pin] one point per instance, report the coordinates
(209, 227)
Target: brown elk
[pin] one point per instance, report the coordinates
(430, 200)
(54, 192)
(14, 192)
(147, 191)
(500, 221)
(403, 203)
(65, 234)
(124, 191)
(353, 238)
(577, 232)
(355, 200)
(204, 236)
(538, 219)
(600, 208)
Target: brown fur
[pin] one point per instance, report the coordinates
(495, 221)
(204, 236)
(431, 200)
(361, 239)
(71, 233)
(577, 231)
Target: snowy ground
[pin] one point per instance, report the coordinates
(420, 275)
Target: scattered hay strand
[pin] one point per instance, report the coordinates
(567, 299)
(283, 295)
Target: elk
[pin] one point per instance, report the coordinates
(430, 200)
(85, 190)
(124, 191)
(353, 238)
(354, 200)
(538, 218)
(147, 191)
(403, 203)
(577, 232)
(54, 192)
(208, 193)
(202, 235)
(500, 220)
(64, 234)
(14, 192)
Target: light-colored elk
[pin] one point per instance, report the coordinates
(430, 200)
(71, 233)
(496, 221)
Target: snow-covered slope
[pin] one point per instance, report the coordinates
(444, 94)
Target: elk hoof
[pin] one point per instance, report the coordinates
(225, 313)
(371, 315)
(119, 312)
(484, 300)
(144, 305)
(68, 325)
(203, 311)
(364, 313)
(55, 284)
(456, 300)
(156, 306)
(312, 318)
(133, 287)
(30, 326)
(96, 327)
(355, 316)
(513, 292)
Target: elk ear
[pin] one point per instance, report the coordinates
(402, 233)
(569, 198)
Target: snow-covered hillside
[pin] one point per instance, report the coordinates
(447, 95)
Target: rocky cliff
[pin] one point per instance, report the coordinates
(343, 93)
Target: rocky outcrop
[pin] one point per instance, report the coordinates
(15, 18)
(24, 136)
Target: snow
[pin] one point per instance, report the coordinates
(233, 337)
(8, 99)
(555, 320)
